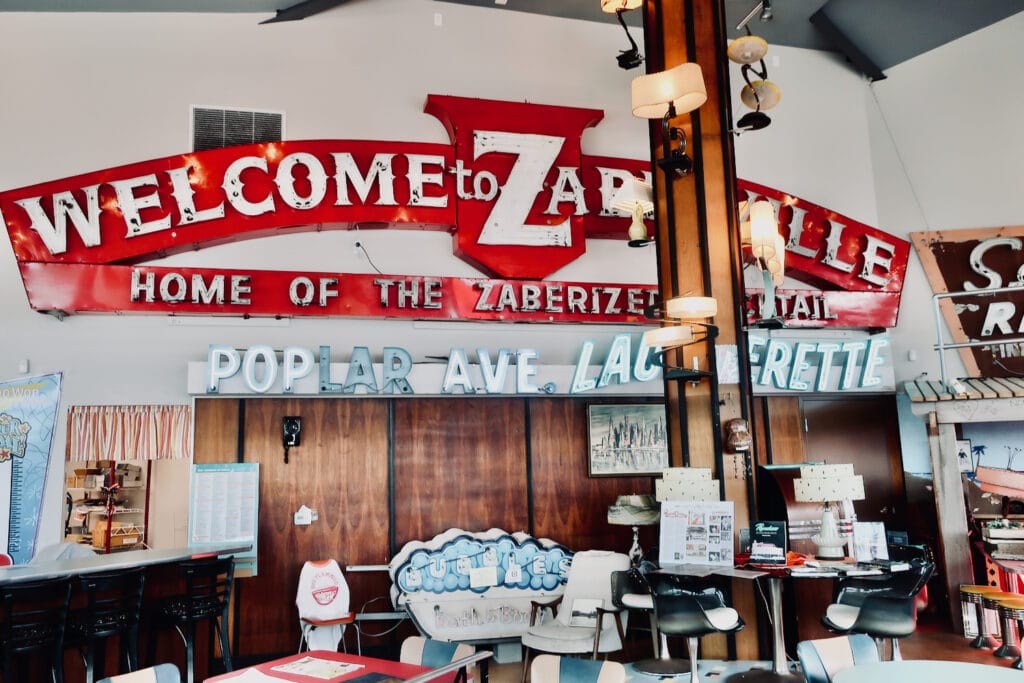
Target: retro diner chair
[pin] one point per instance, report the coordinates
(556, 669)
(113, 602)
(691, 607)
(823, 658)
(883, 607)
(585, 619)
(34, 619)
(207, 599)
(161, 673)
(434, 653)
(323, 602)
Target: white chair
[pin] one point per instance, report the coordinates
(161, 673)
(553, 669)
(822, 659)
(433, 653)
(585, 620)
(323, 602)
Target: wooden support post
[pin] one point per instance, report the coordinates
(699, 254)
(954, 551)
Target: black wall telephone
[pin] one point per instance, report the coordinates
(292, 433)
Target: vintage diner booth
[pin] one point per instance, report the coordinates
(389, 471)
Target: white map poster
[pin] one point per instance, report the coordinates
(225, 508)
(697, 533)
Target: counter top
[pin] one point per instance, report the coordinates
(112, 562)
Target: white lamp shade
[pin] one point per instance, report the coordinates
(746, 49)
(682, 85)
(633, 192)
(668, 337)
(760, 95)
(763, 229)
(613, 6)
(691, 307)
(827, 490)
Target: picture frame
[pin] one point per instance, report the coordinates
(626, 440)
(584, 611)
(964, 455)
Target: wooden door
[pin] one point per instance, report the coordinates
(863, 431)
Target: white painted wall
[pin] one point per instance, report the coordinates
(93, 91)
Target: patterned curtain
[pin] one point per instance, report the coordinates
(154, 432)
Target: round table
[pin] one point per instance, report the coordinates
(928, 671)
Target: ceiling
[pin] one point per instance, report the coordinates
(873, 35)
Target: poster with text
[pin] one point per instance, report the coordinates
(697, 532)
(28, 414)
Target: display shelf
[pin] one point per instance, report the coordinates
(102, 491)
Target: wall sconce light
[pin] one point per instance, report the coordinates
(631, 58)
(636, 197)
(686, 316)
(758, 94)
(665, 95)
(768, 249)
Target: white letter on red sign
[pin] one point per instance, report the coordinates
(380, 171)
(535, 155)
(131, 205)
(315, 174)
(54, 235)
(234, 188)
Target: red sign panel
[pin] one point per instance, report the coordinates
(859, 269)
(193, 291)
(513, 188)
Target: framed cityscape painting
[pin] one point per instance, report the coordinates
(626, 440)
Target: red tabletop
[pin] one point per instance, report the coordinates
(370, 665)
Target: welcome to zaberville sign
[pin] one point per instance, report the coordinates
(513, 188)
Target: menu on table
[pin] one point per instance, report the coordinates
(697, 532)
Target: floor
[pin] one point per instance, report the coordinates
(930, 641)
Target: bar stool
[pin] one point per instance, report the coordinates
(1011, 612)
(973, 594)
(1008, 630)
(34, 618)
(114, 600)
(207, 597)
(1013, 609)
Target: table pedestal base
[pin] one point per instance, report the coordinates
(764, 676)
(662, 667)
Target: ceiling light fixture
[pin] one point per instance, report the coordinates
(759, 94)
(631, 58)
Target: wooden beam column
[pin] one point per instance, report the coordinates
(699, 254)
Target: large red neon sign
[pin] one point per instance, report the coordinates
(513, 187)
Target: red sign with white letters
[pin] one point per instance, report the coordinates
(513, 187)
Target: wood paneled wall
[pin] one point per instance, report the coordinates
(381, 472)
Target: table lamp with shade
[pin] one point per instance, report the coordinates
(635, 510)
(828, 484)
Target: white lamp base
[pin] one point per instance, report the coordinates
(831, 545)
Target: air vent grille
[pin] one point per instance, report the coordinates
(216, 128)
